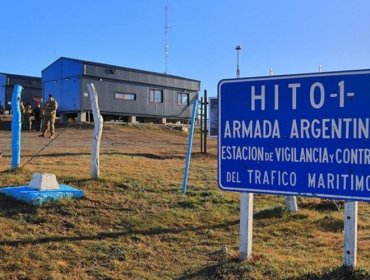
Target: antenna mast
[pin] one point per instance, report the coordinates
(166, 27)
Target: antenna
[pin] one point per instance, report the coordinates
(166, 27)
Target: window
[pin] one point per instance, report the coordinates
(125, 96)
(183, 98)
(156, 96)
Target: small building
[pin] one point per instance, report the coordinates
(32, 91)
(124, 93)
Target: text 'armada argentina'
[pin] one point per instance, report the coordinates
(329, 128)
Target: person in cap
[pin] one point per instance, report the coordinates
(49, 116)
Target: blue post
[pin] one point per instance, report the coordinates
(190, 144)
(16, 126)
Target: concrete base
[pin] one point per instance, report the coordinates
(132, 119)
(37, 198)
(163, 121)
(81, 117)
(44, 181)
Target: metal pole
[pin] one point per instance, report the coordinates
(190, 143)
(350, 233)
(201, 125)
(246, 225)
(238, 48)
(205, 120)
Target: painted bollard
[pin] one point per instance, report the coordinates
(16, 127)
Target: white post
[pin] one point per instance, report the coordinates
(350, 233)
(246, 225)
(98, 130)
(291, 203)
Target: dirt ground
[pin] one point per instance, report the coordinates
(141, 142)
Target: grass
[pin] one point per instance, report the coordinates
(135, 223)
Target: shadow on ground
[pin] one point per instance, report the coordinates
(114, 235)
(226, 269)
(337, 273)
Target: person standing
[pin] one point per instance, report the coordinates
(37, 114)
(49, 116)
(28, 116)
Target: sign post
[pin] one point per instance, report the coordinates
(246, 225)
(350, 233)
(297, 135)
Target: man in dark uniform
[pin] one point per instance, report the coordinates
(37, 114)
(49, 116)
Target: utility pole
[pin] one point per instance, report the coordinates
(238, 49)
(205, 133)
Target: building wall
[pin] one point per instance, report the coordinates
(67, 80)
(2, 89)
(31, 88)
(141, 77)
(61, 69)
(141, 106)
(62, 80)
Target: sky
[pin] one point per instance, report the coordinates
(287, 36)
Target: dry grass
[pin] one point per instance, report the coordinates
(135, 223)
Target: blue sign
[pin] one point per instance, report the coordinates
(306, 134)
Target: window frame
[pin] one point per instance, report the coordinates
(180, 96)
(124, 96)
(153, 95)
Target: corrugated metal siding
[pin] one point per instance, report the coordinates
(62, 80)
(65, 92)
(31, 88)
(53, 88)
(53, 72)
(61, 69)
(71, 68)
(141, 106)
(70, 99)
(72, 94)
(140, 77)
(141, 85)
